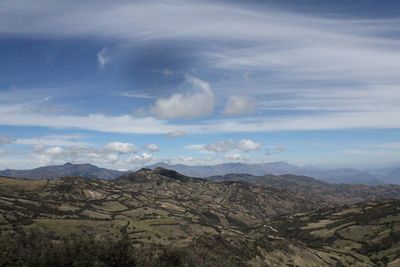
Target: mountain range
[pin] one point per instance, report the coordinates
(88, 171)
(163, 218)
(341, 175)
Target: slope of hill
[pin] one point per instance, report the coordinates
(348, 176)
(363, 234)
(276, 168)
(159, 216)
(306, 186)
(68, 169)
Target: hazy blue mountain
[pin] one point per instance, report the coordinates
(275, 168)
(68, 169)
(303, 185)
(343, 175)
(393, 176)
(346, 175)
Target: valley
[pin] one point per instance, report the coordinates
(228, 223)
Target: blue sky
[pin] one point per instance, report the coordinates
(124, 84)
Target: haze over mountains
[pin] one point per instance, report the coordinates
(344, 175)
(68, 169)
(174, 133)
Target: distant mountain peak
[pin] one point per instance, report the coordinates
(340, 175)
(66, 170)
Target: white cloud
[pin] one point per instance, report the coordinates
(234, 157)
(152, 147)
(103, 57)
(293, 48)
(136, 95)
(47, 155)
(53, 140)
(185, 159)
(54, 151)
(248, 145)
(195, 146)
(140, 159)
(221, 146)
(186, 106)
(268, 37)
(296, 47)
(75, 153)
(240, 105)
(128, 124)
(244, 145)
(112, 158)
(121, 148)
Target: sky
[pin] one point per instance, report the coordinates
(124, 84)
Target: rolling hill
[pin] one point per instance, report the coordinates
(341, 175)
(306, 186)
(163, 218)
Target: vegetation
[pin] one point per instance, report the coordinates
(162, 218)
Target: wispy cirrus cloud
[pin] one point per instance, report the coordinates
(103, 57)
(216, 67)
(151, 125)
(240, 105)
(295, 60)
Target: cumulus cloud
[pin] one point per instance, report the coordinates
(140, 159)
(235, 157)
(152, 147)
(244, 145)
(110, 153)
(121, 148)
(112, 158)
(298, 47)
(47, 155)
(189, 105)
(103, 57)
(221, 146)
(54, 151)
(185, 159)
(240, 105)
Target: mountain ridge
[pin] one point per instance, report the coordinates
(335, 176)
(340, 175)
(164, 216)
(68, 169)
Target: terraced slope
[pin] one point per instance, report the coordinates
(363, 234)
(205, 223)
(339, 194)
(148, 201)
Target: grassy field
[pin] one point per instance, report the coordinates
(255, 225)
